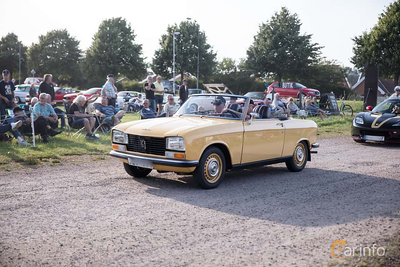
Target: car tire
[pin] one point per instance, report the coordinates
(211, 170)
(299, 159)
(136, 172)
(17, 100)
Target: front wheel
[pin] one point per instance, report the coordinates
(211, 170)
(300, 156)
(347, 110)
(136, 171)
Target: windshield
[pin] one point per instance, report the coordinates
(22, 88)
(217, 106)
(259, 96)
(388, 106)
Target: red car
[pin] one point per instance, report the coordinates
(292, 89)
(59, 94)
(87, 93)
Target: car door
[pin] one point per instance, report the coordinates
(262, 139)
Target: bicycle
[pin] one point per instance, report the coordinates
(345, 109)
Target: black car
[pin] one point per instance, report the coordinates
(382, 124)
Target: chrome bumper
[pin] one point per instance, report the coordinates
(157, 161)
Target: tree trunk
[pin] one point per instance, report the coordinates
(396, 78)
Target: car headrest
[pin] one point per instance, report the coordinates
(235, 107)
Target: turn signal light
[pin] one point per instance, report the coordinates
(179, 156)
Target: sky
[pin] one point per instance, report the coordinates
(230, 25)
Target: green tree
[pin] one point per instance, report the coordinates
(186, 52)
(381, 46)
(57, 53)
(114, 50)
(280, 49)
(9, 56)
(327, 76)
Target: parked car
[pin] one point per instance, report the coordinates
(292, 89)
(258, 97)
(36, 81)
(59, 93)
(193, 91)
(380, 124)
(21, 91)
(87, 93)
(168, 86)
(207, 144)
(124, 96)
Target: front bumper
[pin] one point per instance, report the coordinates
(157, 161)
(391, 135)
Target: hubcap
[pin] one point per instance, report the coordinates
(299, 154)
(212, 168)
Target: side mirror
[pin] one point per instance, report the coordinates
(369, 108)
(253, 115)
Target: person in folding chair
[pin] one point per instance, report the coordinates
(78, 118)
(108, 113)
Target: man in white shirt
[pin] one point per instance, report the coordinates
(396, 92)
(110, 90)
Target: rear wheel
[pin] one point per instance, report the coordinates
(347, 110)
(211, 170)
(136, 171)
(300, 156)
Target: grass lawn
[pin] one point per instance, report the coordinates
(64, 145)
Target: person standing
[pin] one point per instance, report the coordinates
(183, 91)
(47, 86)
(32, 91)
(7, 88)
(159, 93)
(149, 88)
(110, 90)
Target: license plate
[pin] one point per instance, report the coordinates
(374, 138)
(143, 163)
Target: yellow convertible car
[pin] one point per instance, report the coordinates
(211, 134)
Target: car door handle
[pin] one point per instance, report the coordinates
(279, 124)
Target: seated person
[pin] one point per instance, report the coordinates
(19, 115)
(28, 106)
(135, 103)
(147, 113)
(293, 108)
(12, 126)
(109, 113)
(233, 105)
(314, 110)
(170, 107)
(250, 109)
(278, 104)
(78, 117)
(60, 113)
(220, 110)
(272, 112)
(201, 111)
(44, 115)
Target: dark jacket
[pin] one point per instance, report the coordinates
(183, 93)
(47, 88)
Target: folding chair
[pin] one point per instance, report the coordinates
(67, 106)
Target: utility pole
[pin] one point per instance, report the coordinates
(173, 59)
(19, 65)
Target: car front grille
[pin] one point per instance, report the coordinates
(146, 145)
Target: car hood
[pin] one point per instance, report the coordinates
(173, 126)
(378, 120)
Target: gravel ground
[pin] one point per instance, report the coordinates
(92, 213)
